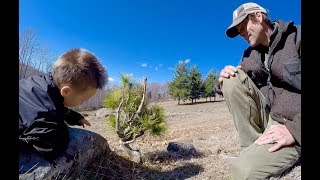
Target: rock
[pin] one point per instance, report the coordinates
(103, 112)
(83, 147)
(181, 148)
(214, 149)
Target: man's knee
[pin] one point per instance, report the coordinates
(228, 86)
(241, 169)
(234, 85)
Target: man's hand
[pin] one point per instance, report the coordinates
(228, 71)
(84, 122)
(278, 135)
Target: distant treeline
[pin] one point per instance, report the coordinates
(188, 84)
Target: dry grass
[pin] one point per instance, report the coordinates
(207, 125)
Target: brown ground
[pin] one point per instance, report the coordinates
(207, 125)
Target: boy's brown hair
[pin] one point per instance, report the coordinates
(81, 69)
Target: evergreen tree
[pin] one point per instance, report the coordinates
(133, 115)
(209, 84)
(179, 87)
(195, 83)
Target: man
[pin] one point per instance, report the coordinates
(263, 94)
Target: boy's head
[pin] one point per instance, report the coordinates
(78, 74)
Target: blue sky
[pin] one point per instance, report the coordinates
(146, 37)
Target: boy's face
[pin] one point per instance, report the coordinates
(73, 98)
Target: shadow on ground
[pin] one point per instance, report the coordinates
(170, 156)
(183, 172)
(112, 166)
(201, 102)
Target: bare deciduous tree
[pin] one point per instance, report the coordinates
(93, 103)
(27, 47)
(34, 58)
(158, 92)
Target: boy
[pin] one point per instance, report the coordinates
(44, 101)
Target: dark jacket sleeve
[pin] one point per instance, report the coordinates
(294, 127)
(47, 135)
(72, 117)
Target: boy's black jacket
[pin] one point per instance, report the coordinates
(39, 96)
(42, 115)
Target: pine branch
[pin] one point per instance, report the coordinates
(142, 101)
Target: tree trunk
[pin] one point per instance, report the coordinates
(135, 154)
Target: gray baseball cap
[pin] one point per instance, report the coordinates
(240, 14)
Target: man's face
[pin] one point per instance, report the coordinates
(251, 29)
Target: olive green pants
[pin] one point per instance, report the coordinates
(245, 102)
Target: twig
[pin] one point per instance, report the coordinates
(142, 101)
(29, 169)
(117, 117)
(99, 166)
